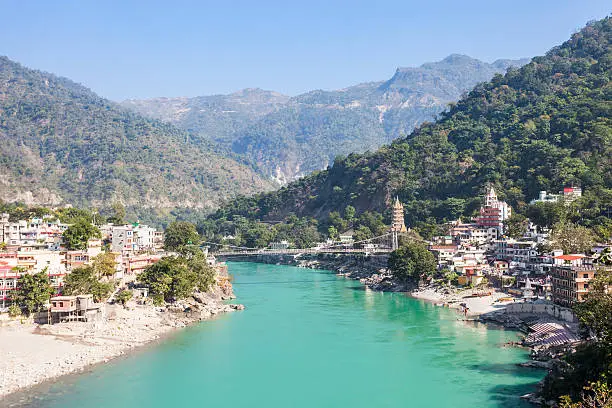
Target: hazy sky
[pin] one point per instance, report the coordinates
(137, 49)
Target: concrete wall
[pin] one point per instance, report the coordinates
(561, 313)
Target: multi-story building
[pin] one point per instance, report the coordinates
(520, 254)
(494, 212)
(158, 239)
(136, 264)
(474, 234)
(122, 239)
(9, 274)
(12, 232)
(29, 260)
(571, 276)
(444, 254)
(34, 231)
(484, 236)
(144, 237)
(571, 193)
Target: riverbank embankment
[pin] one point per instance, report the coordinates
(34, 353)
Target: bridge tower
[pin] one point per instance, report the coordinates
(397, 223)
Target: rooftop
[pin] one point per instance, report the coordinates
(569, 257)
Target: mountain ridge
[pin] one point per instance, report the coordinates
(62, 143)
(293, 136)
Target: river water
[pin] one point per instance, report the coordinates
(310, 339)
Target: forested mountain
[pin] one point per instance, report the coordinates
(288, 137)
(61, 143)
(541, 127)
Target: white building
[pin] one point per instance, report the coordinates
(545, 197)
(144, 237)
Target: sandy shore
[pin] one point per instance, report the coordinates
(476, 305)
(34, 353)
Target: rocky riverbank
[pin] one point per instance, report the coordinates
(35, 353)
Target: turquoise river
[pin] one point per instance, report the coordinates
(310, 339)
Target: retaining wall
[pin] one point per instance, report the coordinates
(558, 312)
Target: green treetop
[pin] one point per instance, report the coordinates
(179, 234)
(77, 234)
(411, 262)
(33, 292)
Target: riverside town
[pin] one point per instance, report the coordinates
(441, 236)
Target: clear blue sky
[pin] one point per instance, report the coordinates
(137, 49)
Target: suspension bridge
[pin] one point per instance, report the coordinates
(381, 244)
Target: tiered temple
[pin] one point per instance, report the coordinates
(397, 224)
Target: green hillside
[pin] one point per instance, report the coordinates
(61, 143)
(541, 127)
(286, 137)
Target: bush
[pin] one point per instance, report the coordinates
(14, 311)
(124, 296)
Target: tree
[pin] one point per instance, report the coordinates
(332, 232)
(411, 262)
(516, 226)
(595, 313)
(180, 234)
(14, 311)
(258, 236)
(362, 233)
(598, 394)
(33, 292)
(77, 234)
(124, 296)
(203, 272)
(545, 215)
(572, 238)
(176, 277)
(605, 257)
(83, 281)
(118, 214)
(104, 265)
(336, 220)
(349, 213)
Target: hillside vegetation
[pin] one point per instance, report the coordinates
(61, 143)
(541, 127)
(287, 137)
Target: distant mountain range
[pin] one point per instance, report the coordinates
(287, 137)
(61, 143)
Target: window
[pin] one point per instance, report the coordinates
(586, 275)
(586, 285)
